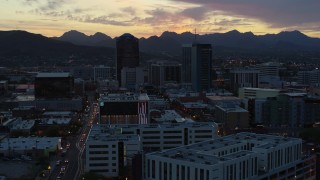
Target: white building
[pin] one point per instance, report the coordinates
(234, 157)
(155, 137)
(109, 147)
(244, 78)
(107, 151)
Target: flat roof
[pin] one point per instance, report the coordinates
(53, 74)
(27, 143)
(57, 113)
(59, 121)
(223, 98)
(23, 125)
(100, 133)
(203, 152)
(261, 89)
(230, 107)
(124, 97)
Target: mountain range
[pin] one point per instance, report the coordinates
(171, 42)
(27, 49)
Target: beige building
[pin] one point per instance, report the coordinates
(231, 116)
(257, 93)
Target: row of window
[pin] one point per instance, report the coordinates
(101, 152)
(101, 164)
(103, 170)
(101, 158)
(101, 146)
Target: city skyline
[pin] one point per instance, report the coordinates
(146, 18)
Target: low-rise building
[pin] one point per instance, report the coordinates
(231, 116)
(31, 146)
(108, 151)
(125, 108)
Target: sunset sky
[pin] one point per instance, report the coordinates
(144, 18)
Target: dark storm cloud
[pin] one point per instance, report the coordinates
(278, 13)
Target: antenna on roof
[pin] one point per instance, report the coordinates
(195, 34)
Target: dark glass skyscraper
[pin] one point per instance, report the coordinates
(127, 47)
(201, 64)
(186, 63)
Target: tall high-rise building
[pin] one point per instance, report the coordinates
(186, 63)
(127, 47)
(201, 63)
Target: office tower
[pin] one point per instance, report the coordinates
(201, 63)
(127, 47)
(53, 85)
(186, 63)
(163, 72)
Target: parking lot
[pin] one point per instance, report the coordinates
(18, 169)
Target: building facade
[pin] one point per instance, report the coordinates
(244, 78)
(108, 153)
(124, 109)
(102, 72)
(163, 72)
(132, 78)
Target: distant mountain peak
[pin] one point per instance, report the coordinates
(73, 34)
(233, 32)
(168, 34)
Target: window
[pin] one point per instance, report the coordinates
(98, 152)
(98, 164)
(98, 146)
(98, 158)
(113, 152)
(153, 170)
(114, 158)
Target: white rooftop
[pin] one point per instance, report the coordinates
(203, 152)
(23, 125)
